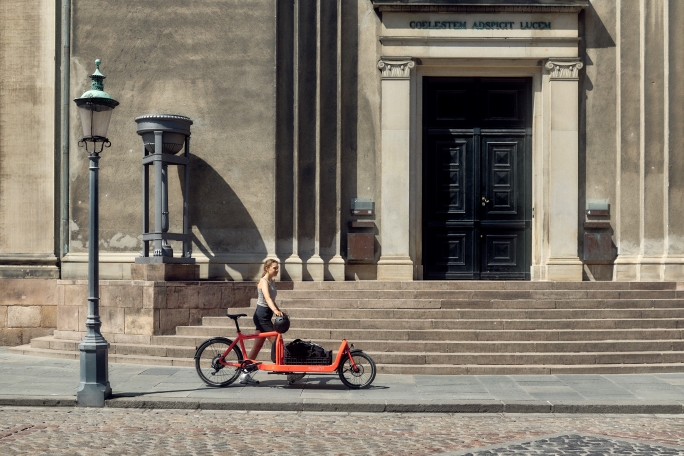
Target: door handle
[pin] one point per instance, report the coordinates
(484, 201)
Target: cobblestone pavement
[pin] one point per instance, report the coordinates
(577, 445)
(76, 431)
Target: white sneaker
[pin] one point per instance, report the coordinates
(294, 378)
(246, 379)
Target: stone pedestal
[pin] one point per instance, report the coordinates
(314, 269)
(335, 268)
(132, 311)
(292, 268)
(162, 272)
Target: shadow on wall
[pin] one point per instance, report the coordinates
(221, 223)
(350, 118)
(596, 36)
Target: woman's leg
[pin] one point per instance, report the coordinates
(254, 352)
(258, 343)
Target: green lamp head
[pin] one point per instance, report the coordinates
(96, 107)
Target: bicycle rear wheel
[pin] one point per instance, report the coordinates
(207, 364)
(364, 374)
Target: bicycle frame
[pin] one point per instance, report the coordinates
(279, 366)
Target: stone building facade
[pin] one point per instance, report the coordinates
(480, 133)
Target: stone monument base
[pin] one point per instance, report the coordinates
(164, 272)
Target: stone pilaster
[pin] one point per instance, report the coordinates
(395, 262)
(563, 262)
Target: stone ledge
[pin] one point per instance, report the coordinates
(352, 405)
(37, 401)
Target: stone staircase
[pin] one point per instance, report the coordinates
(456, 327)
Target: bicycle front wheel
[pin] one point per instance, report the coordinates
(364, 374)
(208, 361)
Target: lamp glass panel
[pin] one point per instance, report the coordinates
(95, 119)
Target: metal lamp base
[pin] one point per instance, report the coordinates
(94, 387)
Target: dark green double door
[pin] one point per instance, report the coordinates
(477, 207)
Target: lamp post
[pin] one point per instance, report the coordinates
(95, 107)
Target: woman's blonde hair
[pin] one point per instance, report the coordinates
(267, 265)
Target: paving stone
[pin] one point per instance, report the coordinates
(197, 430)
(575, 444)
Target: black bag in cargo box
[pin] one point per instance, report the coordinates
(307, 353)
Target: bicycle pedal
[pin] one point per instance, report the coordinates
(249, 366)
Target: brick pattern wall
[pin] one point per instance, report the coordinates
(132, 311)
(28, 309)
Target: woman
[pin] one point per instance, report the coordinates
(265, 309)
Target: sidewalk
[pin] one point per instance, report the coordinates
(34, 381)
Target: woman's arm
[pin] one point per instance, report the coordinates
(263, 286)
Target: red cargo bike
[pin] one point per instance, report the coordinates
(219, 361)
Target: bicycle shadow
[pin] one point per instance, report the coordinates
(321, 386)
(150, 393)
(313, 384)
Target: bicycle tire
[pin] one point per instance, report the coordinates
(366, 370)
(205, 362)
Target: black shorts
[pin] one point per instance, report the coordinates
(262, 319)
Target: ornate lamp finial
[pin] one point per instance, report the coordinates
(97, 77)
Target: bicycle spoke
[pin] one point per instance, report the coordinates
(363, 376)
(208, 362)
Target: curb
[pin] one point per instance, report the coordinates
(475, 407)
(38, 401)
(314, 405)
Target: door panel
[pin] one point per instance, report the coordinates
(452, 249)
(503, 254)
(452, 178)
(453, 252)
(502, 159)
(476, 181)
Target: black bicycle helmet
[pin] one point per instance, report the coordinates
(281, 324)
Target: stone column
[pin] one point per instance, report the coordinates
(395, 262)
(336, 263)
(293, 268)
(563, 262)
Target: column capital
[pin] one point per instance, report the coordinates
(564, 68)
(396, 67)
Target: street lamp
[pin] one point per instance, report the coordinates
(95, 107)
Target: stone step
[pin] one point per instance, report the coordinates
(476, 295)
(494, 323)
(165, 351)
(449, 327)
(470, 346)
(406, 369)
(152, 360)
(437, 304)
(183, 346)
(160, 351)
(428, 359)
(29, 350)
(566, 304)
(459, 334)
(481, 285)
(450, 369)
(467, 314)
(181, 341)
(51, 343)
